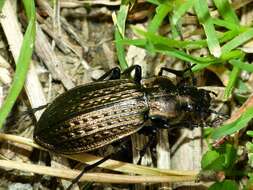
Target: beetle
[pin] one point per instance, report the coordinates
(93, 115)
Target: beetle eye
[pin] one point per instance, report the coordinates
(186, 107)
(189, 107)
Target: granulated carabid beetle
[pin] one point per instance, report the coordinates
(93, 115)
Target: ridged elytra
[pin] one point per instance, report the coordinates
(93, 115)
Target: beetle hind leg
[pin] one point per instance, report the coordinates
(121, 147)
(116, 74)
(111, 75)
(137, 73)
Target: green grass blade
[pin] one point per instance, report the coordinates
(22, 63)
(229, 35)
(156, 2)
(119, 34)
(29, 9)
(201, 9)
(1, 4)
(184, 56)
(235, 126)
(121, 19)
(242, 65)
(199, 67)
(226, 11)
(181, 8)
(232, 80)
(161, 12)
(228, 25)
(160, 40)
(237, 41)
(235, 54)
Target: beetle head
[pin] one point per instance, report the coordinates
(194, 103)
(178, 104)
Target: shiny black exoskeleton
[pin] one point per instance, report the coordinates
(93, 115)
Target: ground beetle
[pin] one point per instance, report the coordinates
(93, 115)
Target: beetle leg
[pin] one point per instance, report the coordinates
(22, 116)
(111, 75)
(179, 73)
(87, 168)
(175, 72)
(193, 79)
(122, 147)
(33, 110)
(143, 151)
(188, 125)
(137, 73)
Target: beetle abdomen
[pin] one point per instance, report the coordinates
(81, 120)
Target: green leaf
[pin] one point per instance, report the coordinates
(29, 9)
(250, 159)
(237, 41)
(241, 91)
(235, 54)
(232, 80)
(229, 25)
(226, 36)
(230, 156)
(1, 5)
(224, 185)
(161, 40)
(161, 12)
(23, 62)
(212, 160)
(156, 2)
(249, 183)
(242, 65)
(230, 128)
(119, 35)
(249, 147)
(184, 56)
(180, 10)
(250, 133)
(226, 11)
(121, 18)
(201, 9)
